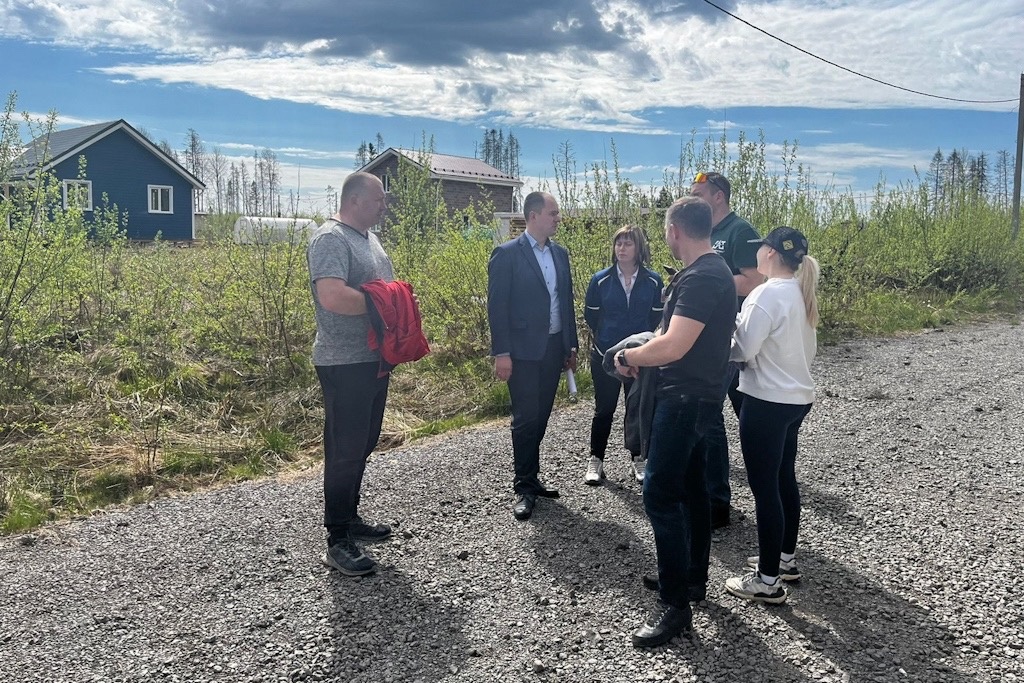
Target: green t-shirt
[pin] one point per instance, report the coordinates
(730, 240)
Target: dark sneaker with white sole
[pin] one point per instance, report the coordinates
(349, 559)
(361, 530)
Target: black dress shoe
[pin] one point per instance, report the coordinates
(545, 492)
(664, 623)
(720, 517)
(524, 507)
(694, 593)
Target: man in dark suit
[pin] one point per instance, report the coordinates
(533, 335)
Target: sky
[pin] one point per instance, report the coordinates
(312, 79)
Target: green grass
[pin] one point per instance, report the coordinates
(25, 511)
(187, 462)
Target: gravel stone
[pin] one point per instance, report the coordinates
(910, 467)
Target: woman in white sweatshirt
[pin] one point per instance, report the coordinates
(775, 342)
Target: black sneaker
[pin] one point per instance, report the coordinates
(371, 533)
(349, 559)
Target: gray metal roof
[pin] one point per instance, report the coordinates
(46, 148)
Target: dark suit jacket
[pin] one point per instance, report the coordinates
(518, 303)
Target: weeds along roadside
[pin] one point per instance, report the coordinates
(132, 371)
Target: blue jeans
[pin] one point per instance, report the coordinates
(768, 435)
(718, 445)
(676, 495)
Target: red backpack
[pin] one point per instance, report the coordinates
(396, 326)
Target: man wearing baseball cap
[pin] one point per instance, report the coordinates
(730, 238)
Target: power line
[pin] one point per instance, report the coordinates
(855, 73)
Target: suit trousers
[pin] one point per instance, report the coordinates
(532, 388)
(354, 398)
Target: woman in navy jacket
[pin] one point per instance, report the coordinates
(622, 300)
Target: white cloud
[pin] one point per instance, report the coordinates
(672, 61)
(931, 46)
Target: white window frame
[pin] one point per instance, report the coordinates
(86, 184)
(170, 198)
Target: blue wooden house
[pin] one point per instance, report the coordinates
(156, 192)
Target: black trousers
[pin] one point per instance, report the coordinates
(354, 399)
(532, 388)
(606, 399)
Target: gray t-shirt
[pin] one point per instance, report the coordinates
(340, 251)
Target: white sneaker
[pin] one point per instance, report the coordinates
(595, 472)
(751, 587)
(788, 571)
(639, 467)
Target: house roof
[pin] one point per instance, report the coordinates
(449, 167)
(48, 150)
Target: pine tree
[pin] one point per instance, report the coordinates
(501, 152)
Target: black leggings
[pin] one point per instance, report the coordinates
(768, 433)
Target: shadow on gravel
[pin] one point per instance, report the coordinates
(866, 630)
(722, 641)
(632, 496)
(587, 554)
(829, 505)
(390, 627)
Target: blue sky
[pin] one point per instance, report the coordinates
(311, 79)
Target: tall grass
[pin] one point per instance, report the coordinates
(127, 370)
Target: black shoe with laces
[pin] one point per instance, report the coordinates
(664, 623)
(349, 559)
(362, 530)
(720, 517)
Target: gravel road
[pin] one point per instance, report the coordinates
(911, 473)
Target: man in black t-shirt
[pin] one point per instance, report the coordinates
(690, 351)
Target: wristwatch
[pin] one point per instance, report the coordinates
(622, 358)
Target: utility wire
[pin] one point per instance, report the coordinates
(855, 73)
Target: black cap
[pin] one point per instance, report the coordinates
(788, 241)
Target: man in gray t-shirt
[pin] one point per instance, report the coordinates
(342, 255)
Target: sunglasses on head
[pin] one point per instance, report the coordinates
(705, 178)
